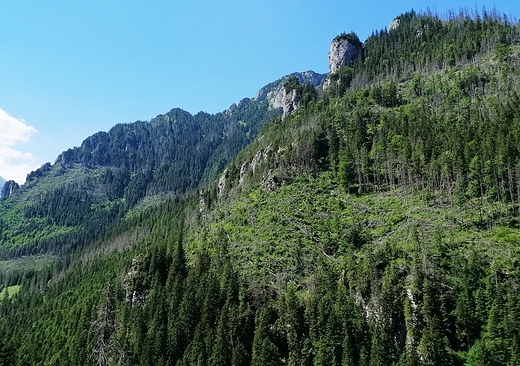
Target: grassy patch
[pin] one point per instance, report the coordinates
(11, 290)
(35, 262)
(145, 204)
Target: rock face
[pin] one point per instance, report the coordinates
(9, 188)
(279, 97)
(276, 94)
(271, 179)
(260, 157)
(290, 101)
(234, 106)
(343, 51)
(243, 170)
(222, 184)
(202, 202)
(134, 283)
(394, 25)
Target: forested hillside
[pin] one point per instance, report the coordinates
(376, 225)
(68, 204)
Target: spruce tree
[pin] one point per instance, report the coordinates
(265, 352)
(6, 354)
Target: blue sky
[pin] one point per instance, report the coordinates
(71, 68)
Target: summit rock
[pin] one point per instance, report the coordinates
(344, 49)
(276, 94)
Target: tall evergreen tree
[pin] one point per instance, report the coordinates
(265, 351)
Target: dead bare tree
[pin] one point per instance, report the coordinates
(103, 327)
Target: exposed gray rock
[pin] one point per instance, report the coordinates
(221, 184)
(134, 283)
(234, 106)
(202, 202)
(422, 31)
(9, 188)
(276, 95)
(291, 101)
(243, 170)
(411, 337)
(412, 299)
(343, 51)
(275, 92)
(394, 25)
(260, 157)
(257, 159)
(271, 181)
(244, 102)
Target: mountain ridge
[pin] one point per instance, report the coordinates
(270, 92)
(173, 153)
(376, 224)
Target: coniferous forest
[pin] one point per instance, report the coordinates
(378, 224)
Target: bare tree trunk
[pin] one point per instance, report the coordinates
(103, 327)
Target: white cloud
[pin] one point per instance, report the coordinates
(15, 164)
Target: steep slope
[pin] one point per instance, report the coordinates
(376, 225)
(68, 204)
(388, 211)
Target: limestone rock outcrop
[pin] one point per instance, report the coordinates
(9, 188)
(221, 184)
(343, 51)
(394, 25)
(135, 283)
(276, 94)
(290, 101)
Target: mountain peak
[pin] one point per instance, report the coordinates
(274, 92)
(343, 50)
(7, 188)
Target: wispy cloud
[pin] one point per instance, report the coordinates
(15, 164)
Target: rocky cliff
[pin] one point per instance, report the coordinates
(394, 25)
(279, 97)
(343, 51)
(276, 94)
(290, 101)
(8, 188)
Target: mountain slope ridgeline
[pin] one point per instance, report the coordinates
(370, 221)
